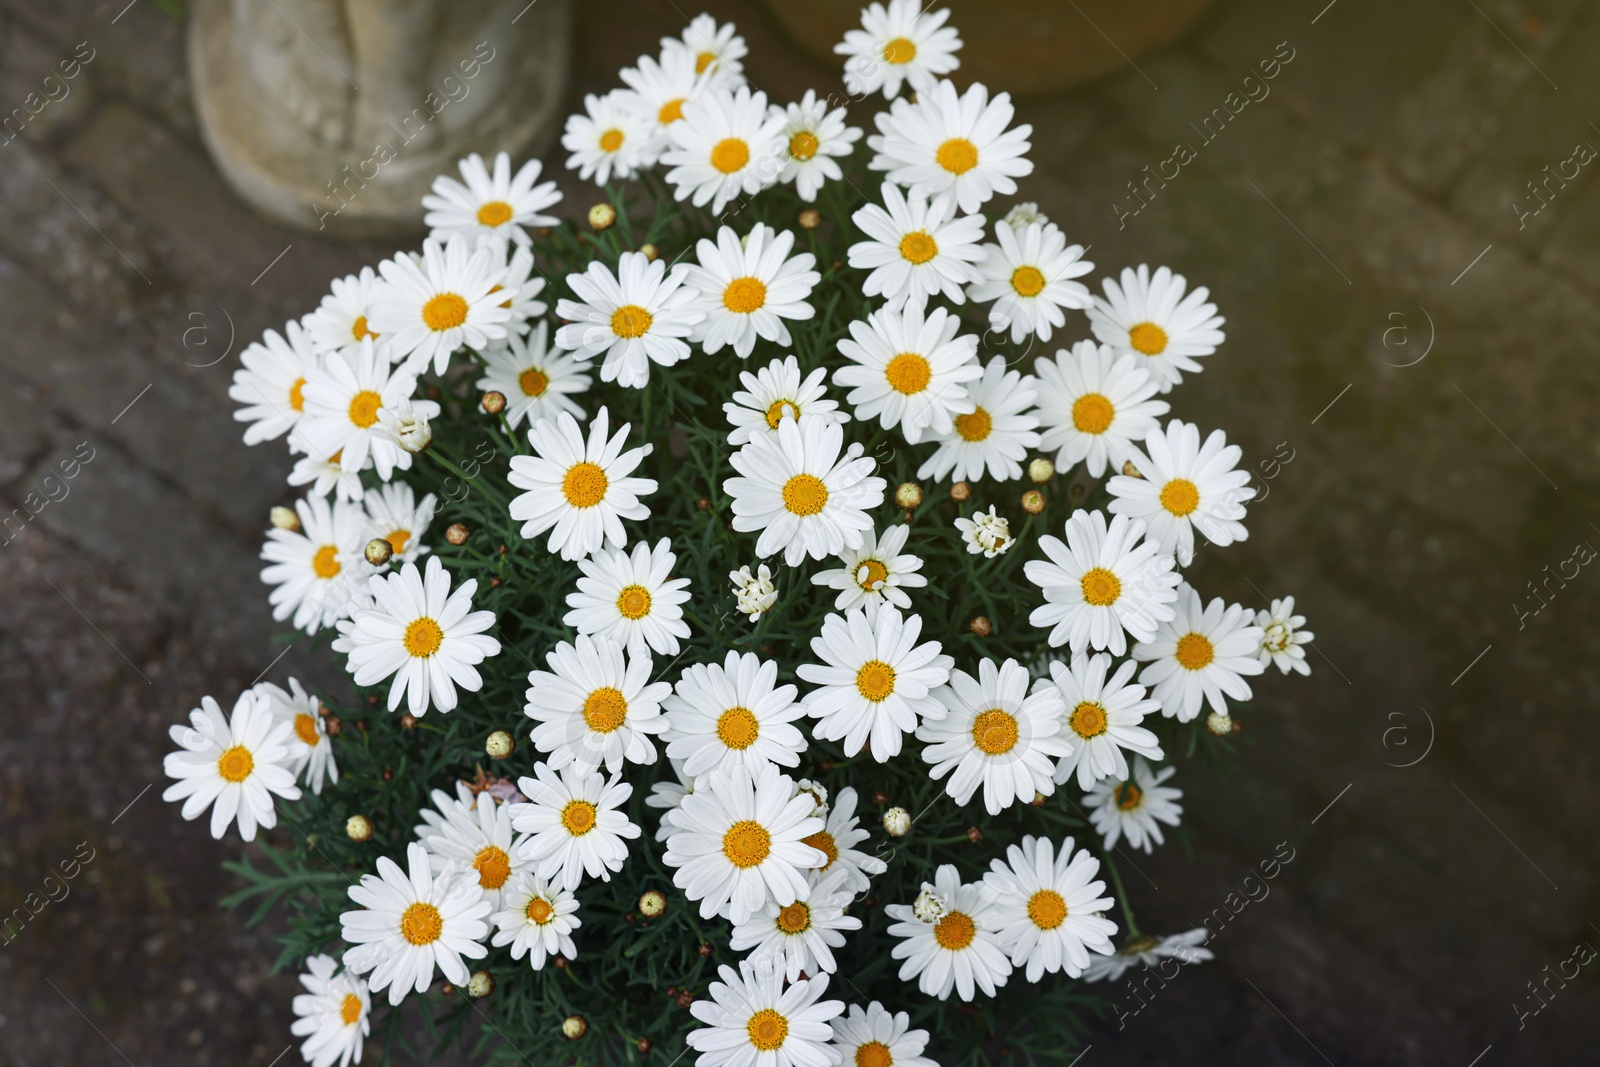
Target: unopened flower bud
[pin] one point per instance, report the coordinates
(1219, 724)
(494, 402)
(981, 625)
(960, 491)
(574, 1026)
(408, 721)
(379, 551)
(652, 903)
(651, 252)
(499, 745)
(975, 835)
(810, 218)
(1033, 502)
(897, 822)
(1041, 470)
(1038, 800)
(358, 828)
(601, 217)
(285, 518)
(908, 495)
(456, 533)
(480, 985)
(1130, 470)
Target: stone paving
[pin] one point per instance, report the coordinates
(1423, 346)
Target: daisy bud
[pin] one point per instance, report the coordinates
(499, 745)
(652, 903)
(574, 1026)
(810, 218)
(358, 828)
(285, 518)
(1219, 724)
(897, 822)
(332, 725)
(1041, 470)
(481, 984)
(981, 625)
(651, 252)
(561, 963)
(960, 491)
(447, 991)
(408, 721)
(1130, 470)
(704, 503)
(880, 799)
(908, 495)
(929, 907)
(686, 998)
(456, 533)
(379, 551)
(494, 402)
(975, 835)
(1038, 800)
(643, 1044)
(601, 217)
(1033, 502)
(705, 949)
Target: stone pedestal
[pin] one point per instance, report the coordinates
(336, 115)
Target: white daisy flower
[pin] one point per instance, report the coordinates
(407, 426)
(1029, 278)
(500, 205)
(1101, 583)
(748, 287)
(410, 921)
(1184, 947)
(340, 322)
(473, 834)
(313, 570)
(574, 824)
(1200, 655)
(726, 145)
(800, 937)
(638, 316)
(611, 138)
(775, 392)
(952, 143)
(1094, 406)
(310, 750)
(334, 1014)
(271, 382)
(874, 681)
(733, 714)
(1134, 808)
(1049, 905)
(716, 50)
(877, 573)
(1185, 486)
(428, 309)
(876, 1038)
(838, 839)
(424, 635)
(916, 248)
(751, 1017)
(394, 514)
(660, 89)
(901, 44)
(579, 491)
(234, 765)
(753, 593)
(740, 842)
(536, 919)
(910, 370)
(960, 949)
(343, 397)
(812, 135)
(1283, 636)
(359, 600)
(520, 286)
(988, 533)
(1023, 214)
(665, 796)
(596, 706)
(327, 475)
(537, 381)
(1102, 718)
(995, 436)
(996, 735)
(631, 599)
(804, 497)
(1149, 314)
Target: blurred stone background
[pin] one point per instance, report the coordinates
(1360, 216)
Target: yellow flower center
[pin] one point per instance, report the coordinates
(325, 563)
(778, 409)
(605, 710)
(803, 145)
(305, 728)
(297, 394)
(1127, 796)
(908, 373)
(578, 817)
(584, 485)
(875, 680)
(350, 1009)
(1195, 652)
(900, 50)
(804, 494)
(540, 911)
(1027, 281)
(738, 728)
(1148, 338)
(1046, 909)
(445, 311)
(1100, 587)
(1092, 413)
(1088, 720)
(795, 919)
(875, 574)
(398, 539)
(359, 329)
(1180, 497)
(974, 427)
(824, 843)
(494, 213)
(634, 602)
(955, 931)
(235, 764)
(957, 155)
(423, 638)
(670, 112)
(421, 924)
(493, 866)
(630, 320)
(533, 382)
(364, 408)
(994, 732)
(768, 1030)
(611, 140)
(918, 247)
(746, 844)
(704, 60)
(874, 1054)
(744, 295)
(730, 154)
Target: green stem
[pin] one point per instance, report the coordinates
(1122, 897)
